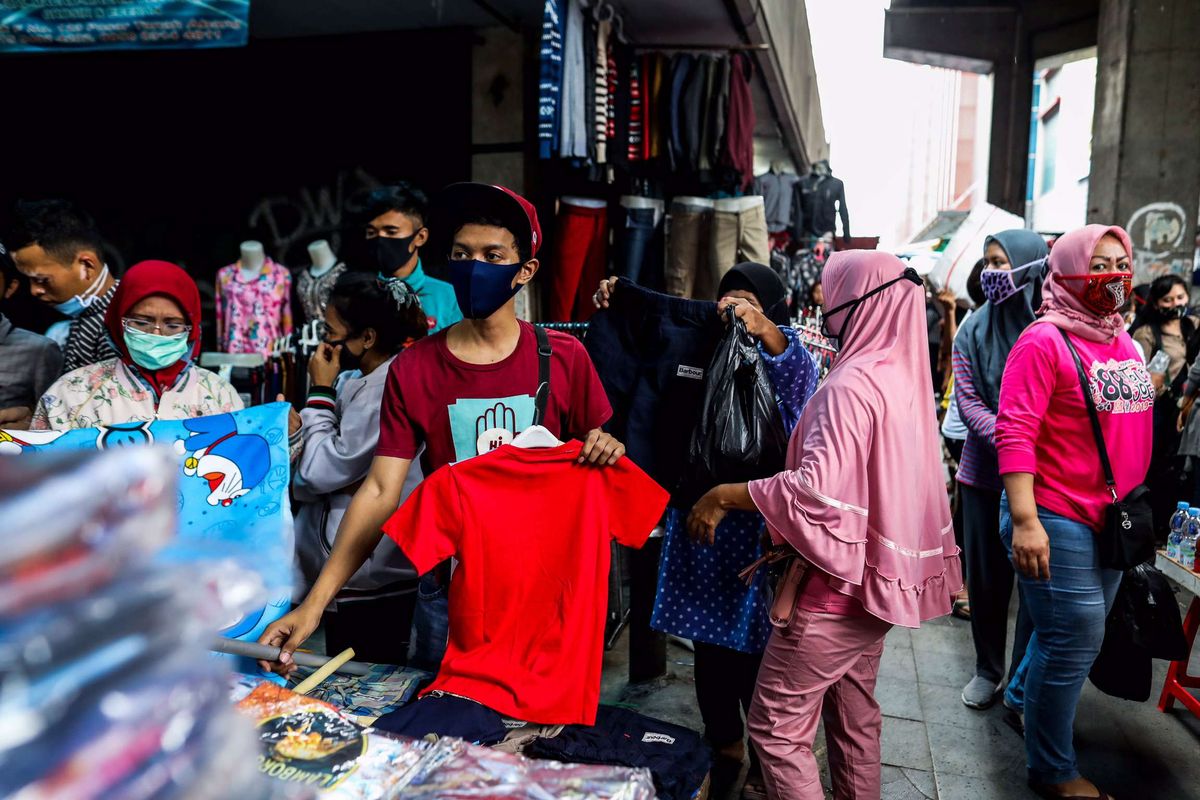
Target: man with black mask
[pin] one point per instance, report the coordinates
(395, 230)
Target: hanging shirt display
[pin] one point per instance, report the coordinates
(776, 190)
(253, 314)
(550, 76)
(737, 149)
(573, 123)
(529, 598)
(815, 199)
(313, 291)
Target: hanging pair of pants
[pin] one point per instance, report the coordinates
(580, 261)
(990, 580)
(1068, 612)
(688, 245)
(708, 238)
(637, 241)
(822, 666)
(739, 233)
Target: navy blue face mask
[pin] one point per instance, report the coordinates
(482, 288)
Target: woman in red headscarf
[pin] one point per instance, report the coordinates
(1056, 490)
(154, 322)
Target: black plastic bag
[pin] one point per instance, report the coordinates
(740, 435)
(1144, 624)
(1152, 613)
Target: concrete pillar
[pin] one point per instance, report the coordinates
(1146, 134)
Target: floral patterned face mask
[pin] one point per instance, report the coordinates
(1102, 293)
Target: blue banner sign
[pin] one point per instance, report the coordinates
(56, 26)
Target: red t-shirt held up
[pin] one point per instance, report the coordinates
(532, 529)
(459, 410)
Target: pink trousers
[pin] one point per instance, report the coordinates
(820, 660)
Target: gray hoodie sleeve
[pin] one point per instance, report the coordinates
(338, 453)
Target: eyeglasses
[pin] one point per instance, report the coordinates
(153, 326)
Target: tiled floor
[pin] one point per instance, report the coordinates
(934, 747)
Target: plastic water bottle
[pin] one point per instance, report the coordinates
(1175, 537)
(1187, 545)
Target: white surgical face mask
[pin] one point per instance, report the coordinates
(80, 302)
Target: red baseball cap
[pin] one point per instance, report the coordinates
(462, 201)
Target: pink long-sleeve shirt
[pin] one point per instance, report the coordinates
(1042, 426)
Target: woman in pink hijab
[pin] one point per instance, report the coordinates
(1055, 490)
(863, 502)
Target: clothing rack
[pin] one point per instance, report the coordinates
(709, 48)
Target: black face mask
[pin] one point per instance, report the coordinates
(391, 254)
(1178, 312)
(909, 274)
(348, 360)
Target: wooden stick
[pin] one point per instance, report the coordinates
(313, 681)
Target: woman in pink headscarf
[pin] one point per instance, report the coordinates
(863, 502)
(1056, 494)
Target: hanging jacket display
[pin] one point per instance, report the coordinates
(816, 199)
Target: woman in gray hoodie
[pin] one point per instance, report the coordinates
(367, 322)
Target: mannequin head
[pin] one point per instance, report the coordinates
(56, 246)
(322, 256)
(252, 256)
(822, 168)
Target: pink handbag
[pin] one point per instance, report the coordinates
(787, 591)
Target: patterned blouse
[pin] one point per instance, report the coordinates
(110, 392)
(313, 292)
(252, 314)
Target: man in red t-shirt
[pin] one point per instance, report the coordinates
(463, 391)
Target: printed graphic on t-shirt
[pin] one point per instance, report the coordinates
(480, 425)
(1121, 387)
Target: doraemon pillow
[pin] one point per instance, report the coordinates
(233, 491)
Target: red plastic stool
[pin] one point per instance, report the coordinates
(1178, 680)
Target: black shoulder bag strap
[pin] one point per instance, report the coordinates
(544, 351)
(1109, 480)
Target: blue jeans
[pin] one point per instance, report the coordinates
(1068, 613)
(634, 234)
(431, 625)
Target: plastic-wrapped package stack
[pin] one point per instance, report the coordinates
(307, 742)
(106, 690)
(455, 770)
